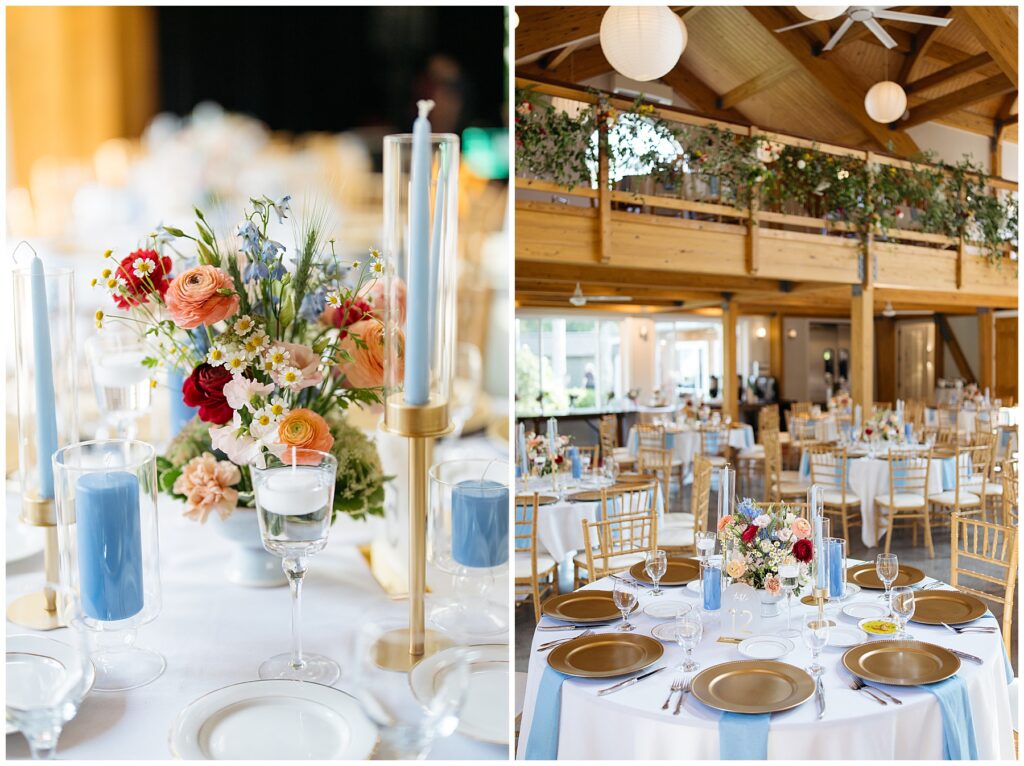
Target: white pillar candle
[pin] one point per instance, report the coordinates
(121, 369)
(298, 491)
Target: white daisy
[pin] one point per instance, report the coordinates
(278, 408)
(217, 355)
(290, 377)
(355, 264)
(256, 343)
(375, 253)
(237, 360)
(263, 422)
(333, 299)
(278, 356)
(143, 267)
(244, 324)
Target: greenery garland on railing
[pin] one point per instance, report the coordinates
(558, 145)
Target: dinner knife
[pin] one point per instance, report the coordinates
(820, 693)
(966, 656)
(629, 682)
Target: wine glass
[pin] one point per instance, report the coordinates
(624, 593)
(902, 605)
(655, 566)
(409, 721)
(120, 380)
(705, 544)
(815, 634)
(294, 505)
(46, 681)
(888, 567)
(789, 576)
(688, 630)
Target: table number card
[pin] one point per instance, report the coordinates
(741, 610)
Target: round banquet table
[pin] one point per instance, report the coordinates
(685, 441)
(214, 634)
(559, 531)
(630, 724)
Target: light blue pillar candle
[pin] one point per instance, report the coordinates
(418, 298)
(480, 523)
(524, 460)
(181, 413)
(109, 545)
(711, 587)
(836, 586)
(577, 464)
(46, 414)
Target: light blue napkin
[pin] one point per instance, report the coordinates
(958, 743)
(743, 736)
(542, 744)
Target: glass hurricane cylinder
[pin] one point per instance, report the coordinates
(467, 538)
(420, 240)
(47, 391)
(107, 525)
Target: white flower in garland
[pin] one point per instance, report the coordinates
(241, 391)
(263, 423)
(843, 174)
(256, 343)
(800, 164)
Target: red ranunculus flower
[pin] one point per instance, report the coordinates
(204, 389)
(351, 311)
(803, 551)
(137, 288)
(558, 460)
(749, 533)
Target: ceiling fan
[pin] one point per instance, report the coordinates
(889, 312)
(579, 300)
(869, 15)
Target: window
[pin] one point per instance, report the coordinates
(566, 363)
(687, 355)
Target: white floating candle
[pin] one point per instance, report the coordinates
(293, 491)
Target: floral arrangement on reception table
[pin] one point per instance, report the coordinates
(542, 461)
(883, 425)
(759, 539)
(973, 395)
(842, 402)
(273, 350)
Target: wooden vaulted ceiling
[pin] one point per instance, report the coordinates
(736, 67)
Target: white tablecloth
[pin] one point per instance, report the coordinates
(685, 442)
(630, 724)
(214, 634)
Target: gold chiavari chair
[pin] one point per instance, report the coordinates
(986, 552)
(907, 500)
(616, 501)
(616, 544)
(657, 463)
(1008, 477)
(677, 531)
(913, 413)
(778, 487)
(536, 574)
(882, 406)
(971, 480)
(650, 435)
(713, 441)
(992, 489)
(800, 408)
(594, 452)
(828, 469)
(1006, 444)
(948, 423)
(609, 429)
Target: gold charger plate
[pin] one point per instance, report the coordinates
(605, 655)
(587, 496)
(546, 499)
(753, 686)
(952, 607)
(634, 478)
(582, 606)
(865, 576)
(678, 572)
(901, 663)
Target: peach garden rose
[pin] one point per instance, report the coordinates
(366, 370)
(196, 297)
(801, 529)
(304, 429)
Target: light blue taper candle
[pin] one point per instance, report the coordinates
(46, 415)
(435, 240)
(523, 459)
(417, 326)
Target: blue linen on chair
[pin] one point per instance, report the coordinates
(542, 743)
(743, 736)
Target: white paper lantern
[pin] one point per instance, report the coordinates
(885, 102)
(822, 12)
(642, 42)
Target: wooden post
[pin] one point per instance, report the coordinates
(753, 235)
(775, 351)
(862, 347)
(604, 199)
(986, 349)
(730, 399)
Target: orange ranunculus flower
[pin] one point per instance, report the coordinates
(304, 429)
(366, 370)
(193, 298)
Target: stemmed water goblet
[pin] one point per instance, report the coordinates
(887, 566)
(294, 503)
(902, 601)
(688, 630)
(624, 593)
(815, 632)
(655, 566)
(789, 576)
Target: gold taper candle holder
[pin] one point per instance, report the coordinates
(38, 610)
(421, 425)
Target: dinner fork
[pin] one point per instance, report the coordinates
(970, 628)
(677, 686)
(553, 644)
(859, 686)
(682, 696)
(860, 681)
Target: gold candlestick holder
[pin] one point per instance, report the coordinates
(38, 610)
(421, 425)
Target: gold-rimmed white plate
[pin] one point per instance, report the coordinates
(901, 663)
(753, 686)
(605, 655)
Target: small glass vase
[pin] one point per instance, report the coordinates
(770, 603)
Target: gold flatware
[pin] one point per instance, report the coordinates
(677, 572)
(865, 576)
(901, 663)
(582, 606)
(753, 686)
(946, 606)
(606, 655)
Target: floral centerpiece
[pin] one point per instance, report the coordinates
(273, 346)
(841, 402)
(883, 425)
(764, 538)
(541, 458)
(973, 395)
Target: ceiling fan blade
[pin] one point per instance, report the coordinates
(913, 18)
(796, 26)
(608, 298)
(847, 23)
(880, 33)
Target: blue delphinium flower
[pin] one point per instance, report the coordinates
(282, 207)
(270, 250)
(313, 305)
(255, 270)
(250, 238)
(747, 508)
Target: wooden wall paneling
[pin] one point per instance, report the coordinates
(885, 359)
(1006, 358)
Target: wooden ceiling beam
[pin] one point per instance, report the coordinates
(996, 30)
(693, 89)
(943, 75)
(583, 64)
(753, 86)
(564, 289)
(545, 29)
(834, 81)
(598, 274)
(551, 60)
(957, 100)
(922, 42)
